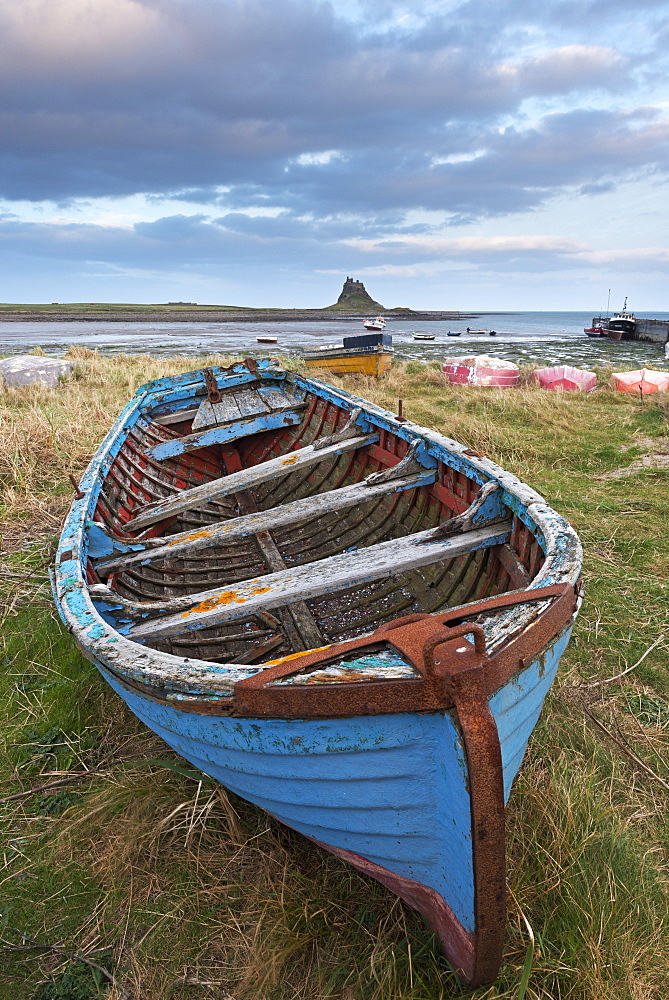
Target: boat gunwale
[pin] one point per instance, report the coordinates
(196, 678)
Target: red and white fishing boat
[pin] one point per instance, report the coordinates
(599, 328)
(481, 370)
(565, 377)
(643, 382)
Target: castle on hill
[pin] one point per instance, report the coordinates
(354, 295)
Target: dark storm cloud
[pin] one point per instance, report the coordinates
(168, 97)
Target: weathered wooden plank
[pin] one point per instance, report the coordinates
(307, 508)
(250, 403)
(348, 569)
(517, 573)
(227, 432)
(305, 624)
(275, 398)
(244, 480)
(177, 417)
(246, 402)
(211, 414)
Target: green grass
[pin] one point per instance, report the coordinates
(182, 891)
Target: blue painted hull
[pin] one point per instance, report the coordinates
(414, 797)
(392, 789)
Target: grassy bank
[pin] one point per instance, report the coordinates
(193, 312)
(115, 851)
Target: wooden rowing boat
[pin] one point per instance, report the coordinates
(347, 619)
(481, 370)
(642, 381)
(565, 378)
(363, 354)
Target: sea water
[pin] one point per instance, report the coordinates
(538, 338)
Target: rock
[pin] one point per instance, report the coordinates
(26, 369)
(354, 295)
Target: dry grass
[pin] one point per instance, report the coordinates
(46, 434)
(186, 892)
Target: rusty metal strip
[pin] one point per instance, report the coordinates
(259, 695)
(465, 686)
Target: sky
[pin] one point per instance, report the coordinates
(482, 155)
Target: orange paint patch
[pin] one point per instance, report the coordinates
(191, 538)
(290, 461)
(226, 597)
(295, 656)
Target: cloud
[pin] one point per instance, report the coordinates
(574, 67)
(310, 134)
(284, 102)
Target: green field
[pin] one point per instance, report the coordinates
(116, 852)
(67, 308)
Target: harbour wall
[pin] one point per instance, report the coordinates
(654, 330)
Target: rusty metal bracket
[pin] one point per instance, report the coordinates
(414, 637)
(466, 687)
(213, 392)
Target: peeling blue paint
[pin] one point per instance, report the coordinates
(391, 788)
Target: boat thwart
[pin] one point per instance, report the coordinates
(349, 620)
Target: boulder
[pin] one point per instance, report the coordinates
(26, 369)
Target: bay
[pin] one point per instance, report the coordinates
(539, 338)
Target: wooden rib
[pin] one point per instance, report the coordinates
(412, 520)
(249, 524)
(245, 479)
(272, 493)
(340, 572)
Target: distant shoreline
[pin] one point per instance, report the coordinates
(207, 314)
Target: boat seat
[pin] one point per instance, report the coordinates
(245, 479)
(304, 509)
(237, 404)
(309, 580)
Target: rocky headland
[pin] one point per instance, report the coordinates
(353, 303)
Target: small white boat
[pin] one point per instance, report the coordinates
(267, 340)
(378, 323)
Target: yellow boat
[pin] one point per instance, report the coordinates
(368, 361)
(365, 354)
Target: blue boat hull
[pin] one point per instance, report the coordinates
(393, 742)
(387, 793)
